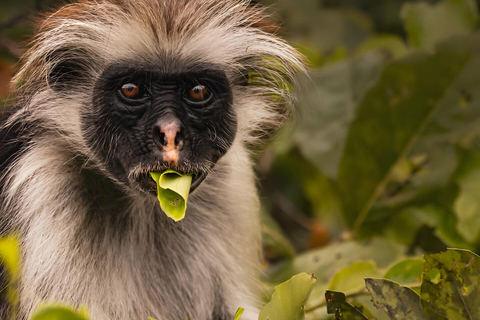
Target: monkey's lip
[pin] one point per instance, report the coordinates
(149, 185)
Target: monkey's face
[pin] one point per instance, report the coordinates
(147, 119)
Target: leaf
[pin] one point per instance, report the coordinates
(51, 312)
(426, 24)
(389, 121)
(173, 189)
(456, 121)
(288, 300)
(329, 260)
(329, 108)
(393, 44)
(10, 255)
(438, 218)
(10, 259)
(273, 237)
(397, 301)
(467, 203)
(351, 279)
(239, 313)
(450, 285)
(337, 305)
(326, 202)
(309, 21)
(406, 272)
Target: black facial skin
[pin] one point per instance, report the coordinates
(125, 133)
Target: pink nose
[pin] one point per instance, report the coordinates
(168, 136)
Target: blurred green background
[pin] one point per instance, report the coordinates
(381, 161)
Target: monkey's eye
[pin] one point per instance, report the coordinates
(198, 94)
(131, 91)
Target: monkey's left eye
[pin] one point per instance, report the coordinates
(198, 94)
(131, 91)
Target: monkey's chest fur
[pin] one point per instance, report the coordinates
(88, 243)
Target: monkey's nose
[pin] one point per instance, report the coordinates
(168, 136)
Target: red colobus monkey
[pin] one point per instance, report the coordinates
(109, 91)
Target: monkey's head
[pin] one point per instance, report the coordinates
(146, 85)
(151, 116)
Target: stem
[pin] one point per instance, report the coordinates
(361, 292)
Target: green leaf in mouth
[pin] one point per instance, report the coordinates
(172, 190)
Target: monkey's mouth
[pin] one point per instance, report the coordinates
(146, 183)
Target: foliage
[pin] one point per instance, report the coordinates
(288, 300)
(449, 290)
(386, 151)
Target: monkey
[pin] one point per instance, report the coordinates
(109, 91)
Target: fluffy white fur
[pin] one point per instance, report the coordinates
(151, 266)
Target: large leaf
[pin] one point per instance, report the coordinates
(329, 109)
(389, 121)
(397, 301)
(450, 285)
(456, 121)
(426, 24)
(408, 271)
(327, 261)
(467, 204)
(350, 279)
(288, 300)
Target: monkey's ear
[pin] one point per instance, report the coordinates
(68, 68)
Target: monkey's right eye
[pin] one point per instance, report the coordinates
(132, 92)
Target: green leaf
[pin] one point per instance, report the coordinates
(288, 300)
(391, 43)
(329, 260)
(329, 108)
(351, 279)
(10, 255)
(467, 203)
(438, 218)
(427, 25)
(336, 304)
(389, 121)
(450, 285)
(397, 301)
(239, 313)
(273, 237)
(173, 189)
(456, 121)
(326, 202)
(50, 312)
(10, 259)
(406, 272)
